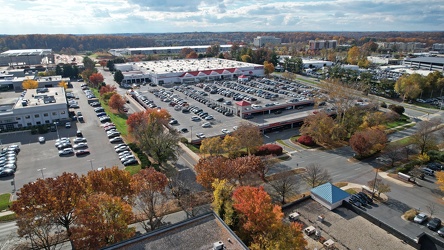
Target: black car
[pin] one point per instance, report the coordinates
(6, 172)
(434, 224)
(365, 197)
(435, 166)
(130, 162)
(363, 201)
(184, 130)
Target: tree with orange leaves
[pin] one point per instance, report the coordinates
(116, 102)
(261, 221)
(211, 168)
(102, 220)
(96, 79)
(151, 135)
(54, 199)
(107, 89)
(111, 181)
(440, 180)
(150, 198)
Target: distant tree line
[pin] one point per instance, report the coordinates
(70, 44)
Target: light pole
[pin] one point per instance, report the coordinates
(191, 133)
(374, 183)
(91, 162)
(57, 130)
(41, 170)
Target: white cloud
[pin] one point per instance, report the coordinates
(126, 16)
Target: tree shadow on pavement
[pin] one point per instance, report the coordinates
(397, 205)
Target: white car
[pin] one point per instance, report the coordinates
(210, 117)
(41, 139)
(116, 139)
(79, 139)
(225, 131)
(200, 135)
(206, 125)
(120, 145)
(195, 118)
(81, 145)
(235, 128)
(66, 151)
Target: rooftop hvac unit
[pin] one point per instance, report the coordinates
(218, 245)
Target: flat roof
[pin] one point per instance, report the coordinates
(188, 65)
(426, 59)
(175, 47)
(200, 232)
(42, 96)
(26, 52)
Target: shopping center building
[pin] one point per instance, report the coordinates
(187, 70)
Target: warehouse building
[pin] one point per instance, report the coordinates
(35, 107)
(172, 50)
(426, 63)
(186, 70)
(13, 79)
(26, 57)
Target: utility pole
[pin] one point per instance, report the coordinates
(191, 133)
(91, 162)
(41, 170)
(374, 183)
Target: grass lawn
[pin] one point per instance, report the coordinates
(402, 142)
(397, 123)
(118, 119)
(9, 217)
(133, 169)
(4, 201)
(192, 147)
(351, 191)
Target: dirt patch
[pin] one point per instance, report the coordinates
(340, 184)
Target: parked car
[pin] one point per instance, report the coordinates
(434, 224)
(441, 232)
(184, 130)
(206, 125)
(130, 162)
(122, 149)
(225, 131)
(116, 139)
(66, 151)
(81, 145)
(420, 218)
(42, 139)
(6, 172)
(68, 125)
(79, 139)
(82, 152)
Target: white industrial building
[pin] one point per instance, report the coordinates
(13, 79)
(22, 57)
(172, 50)
(426, 63)
(187, 70)
(262, 41)
(36, 107)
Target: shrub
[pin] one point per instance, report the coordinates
(144, 161)
(306, 140)
(269, 149)
(183, 140)
(436, 155)
(42, 129)
(410, 214)
(383, 105)
(397, 108)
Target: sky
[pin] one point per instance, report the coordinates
(168, 16)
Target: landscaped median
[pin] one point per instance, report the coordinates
(5, 214)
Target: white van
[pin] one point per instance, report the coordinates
(428, 171)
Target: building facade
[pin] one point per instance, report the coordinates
(401, 46)
(426, 63)
(262, 41)
(36, 107)
(322, 44)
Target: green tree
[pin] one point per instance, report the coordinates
(110, 65)
(58, 70)
(118, 77)
(88, 63)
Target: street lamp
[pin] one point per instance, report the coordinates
(57, 130)
(191, 133)
(41, 170)
(374, 183)
(91, 162)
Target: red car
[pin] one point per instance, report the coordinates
(82, 152)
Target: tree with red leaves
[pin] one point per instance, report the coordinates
(96, 79)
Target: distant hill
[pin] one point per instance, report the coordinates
(106, 41)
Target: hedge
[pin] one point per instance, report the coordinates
(269, 149)
(306, 140)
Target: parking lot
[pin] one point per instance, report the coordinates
(44, 156)
(204, 110)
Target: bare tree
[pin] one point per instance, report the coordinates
(424, 138)
(379, 186)
(431, 208)
(393, 153)
(407, 150)
(285, 186)
(315, 175)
